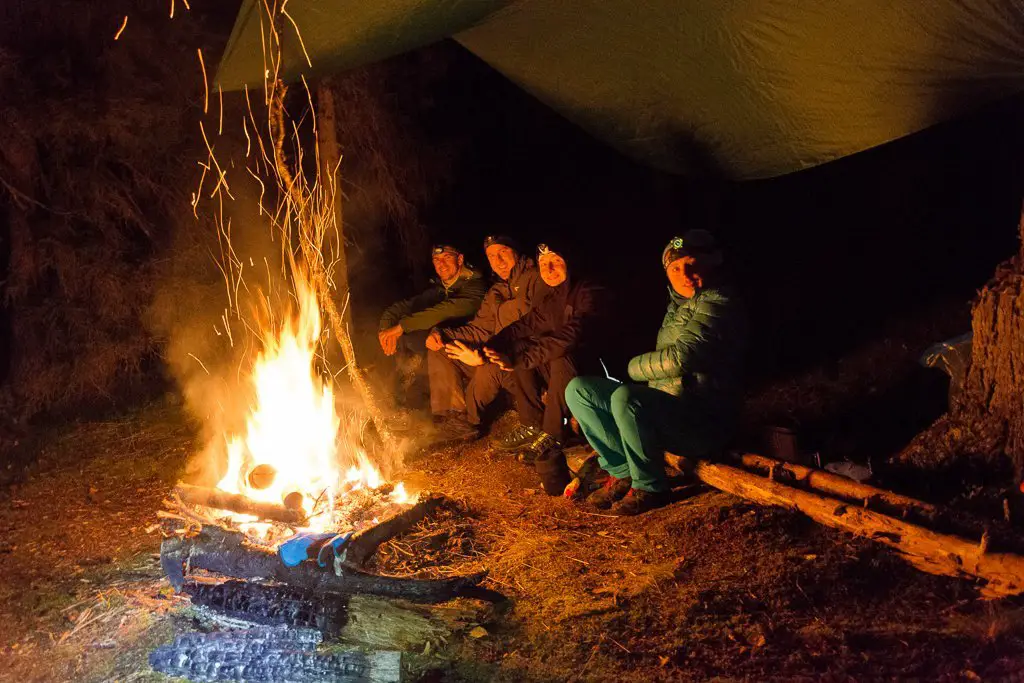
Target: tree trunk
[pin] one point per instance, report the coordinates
(992, 400)
(982, 436)
(330, 160)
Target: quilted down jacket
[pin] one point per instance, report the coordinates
(699, 351)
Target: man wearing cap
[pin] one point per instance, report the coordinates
(544, 348)
(462, 382)
(691, 388)
(452, 299)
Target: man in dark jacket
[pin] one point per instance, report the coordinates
(451, 300)
(543, 348)
(455, 354)
(692, 384)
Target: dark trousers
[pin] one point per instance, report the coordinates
(529, 387)
(457, 387)
(409, 379)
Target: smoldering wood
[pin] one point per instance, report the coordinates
(226, 552)
(235, 502)
(364, 543)
(271, 654)
(999, 573)
(271, 605)
(364, 620)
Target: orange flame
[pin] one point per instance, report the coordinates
(292, 446)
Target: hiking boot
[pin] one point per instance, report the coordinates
(614, 489)
(441, 419)
(457, 429)
(542, 442)
(520, 437)
(553, 471)
(400, 420)
(637, 502)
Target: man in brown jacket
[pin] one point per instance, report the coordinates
(455, 356)
(543, 349)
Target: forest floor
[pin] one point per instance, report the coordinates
(710, 587)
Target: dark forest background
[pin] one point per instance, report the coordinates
(98, 156)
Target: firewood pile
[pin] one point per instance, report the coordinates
(272, 615)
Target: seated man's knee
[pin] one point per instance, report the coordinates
(436, 358)
(625, 399)
(578, 392)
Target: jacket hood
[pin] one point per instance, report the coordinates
(523, 263)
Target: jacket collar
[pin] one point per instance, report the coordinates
(678, 299)
(523, 263)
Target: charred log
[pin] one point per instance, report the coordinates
(270, 654)
(365, 543)
(222, 500)
(363, 620)
(271, 605)
(228, 553)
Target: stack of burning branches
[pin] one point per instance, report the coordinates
(199, 545)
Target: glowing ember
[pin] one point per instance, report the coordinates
(292, 453)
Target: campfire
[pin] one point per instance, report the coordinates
(298, 466)
(298, 512)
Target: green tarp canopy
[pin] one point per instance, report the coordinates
(736, 88)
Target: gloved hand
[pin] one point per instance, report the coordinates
(312, 545)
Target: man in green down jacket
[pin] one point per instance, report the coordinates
(451, 300)
(692, 386)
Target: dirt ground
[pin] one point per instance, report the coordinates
(709, 587)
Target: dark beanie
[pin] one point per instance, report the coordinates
(503, 240)
(697, 243)
(556, 246)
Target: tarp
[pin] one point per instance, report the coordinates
(730, 88)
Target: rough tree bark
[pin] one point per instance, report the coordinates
(330, 161)
(983, 432)
(992, 399)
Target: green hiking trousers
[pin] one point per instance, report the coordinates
(632, 425)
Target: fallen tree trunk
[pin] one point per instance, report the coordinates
(840, 487)
(236, 502)
(227, 552)
(1000, 574)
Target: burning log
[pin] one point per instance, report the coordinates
(365, 543)
(235, 502)
(219, 550)
(1001, 574)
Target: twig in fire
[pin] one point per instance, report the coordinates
(306, 211)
